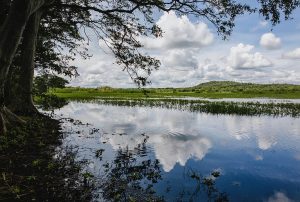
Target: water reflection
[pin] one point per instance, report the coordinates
(257, 155)
(169, 148)
(50, 102)
(132, 175)
(279, 197)
(260, 100)
(175, 148)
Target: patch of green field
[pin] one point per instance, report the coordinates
(214, 89)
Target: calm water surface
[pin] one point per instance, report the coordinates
(258, 157)
(260, 100)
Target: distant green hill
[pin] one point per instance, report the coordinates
(239, 84)
(219, 83)
(231, 86)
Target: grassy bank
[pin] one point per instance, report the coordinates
(28, 171)
(223, 89)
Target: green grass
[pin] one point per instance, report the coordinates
(214, 89)
(136, 97)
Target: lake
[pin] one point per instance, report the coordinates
(179, 155)
(260, 100)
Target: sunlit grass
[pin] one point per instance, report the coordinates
(206, 90)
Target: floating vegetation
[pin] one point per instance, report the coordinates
(237, 108)
(206, 184)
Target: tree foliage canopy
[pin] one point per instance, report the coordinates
(64, 24)
(121, 23)
(274, 9)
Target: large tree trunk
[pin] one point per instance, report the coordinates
(22, 102)
(10, 36)
(4, 5)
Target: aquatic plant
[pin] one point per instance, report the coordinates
(216, 107)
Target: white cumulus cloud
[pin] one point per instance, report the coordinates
(279, 197)
(180, 58)
(270, 41)
(241, 57)
(294, 54)
(179, 32)
(263, 23)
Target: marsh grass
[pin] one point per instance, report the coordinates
(237, 108)
(166, 98)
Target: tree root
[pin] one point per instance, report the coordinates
(24, 109)
(8, 119)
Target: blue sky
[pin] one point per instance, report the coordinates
(191, 52)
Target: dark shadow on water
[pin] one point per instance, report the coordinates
(33, 168)
(51, 102)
